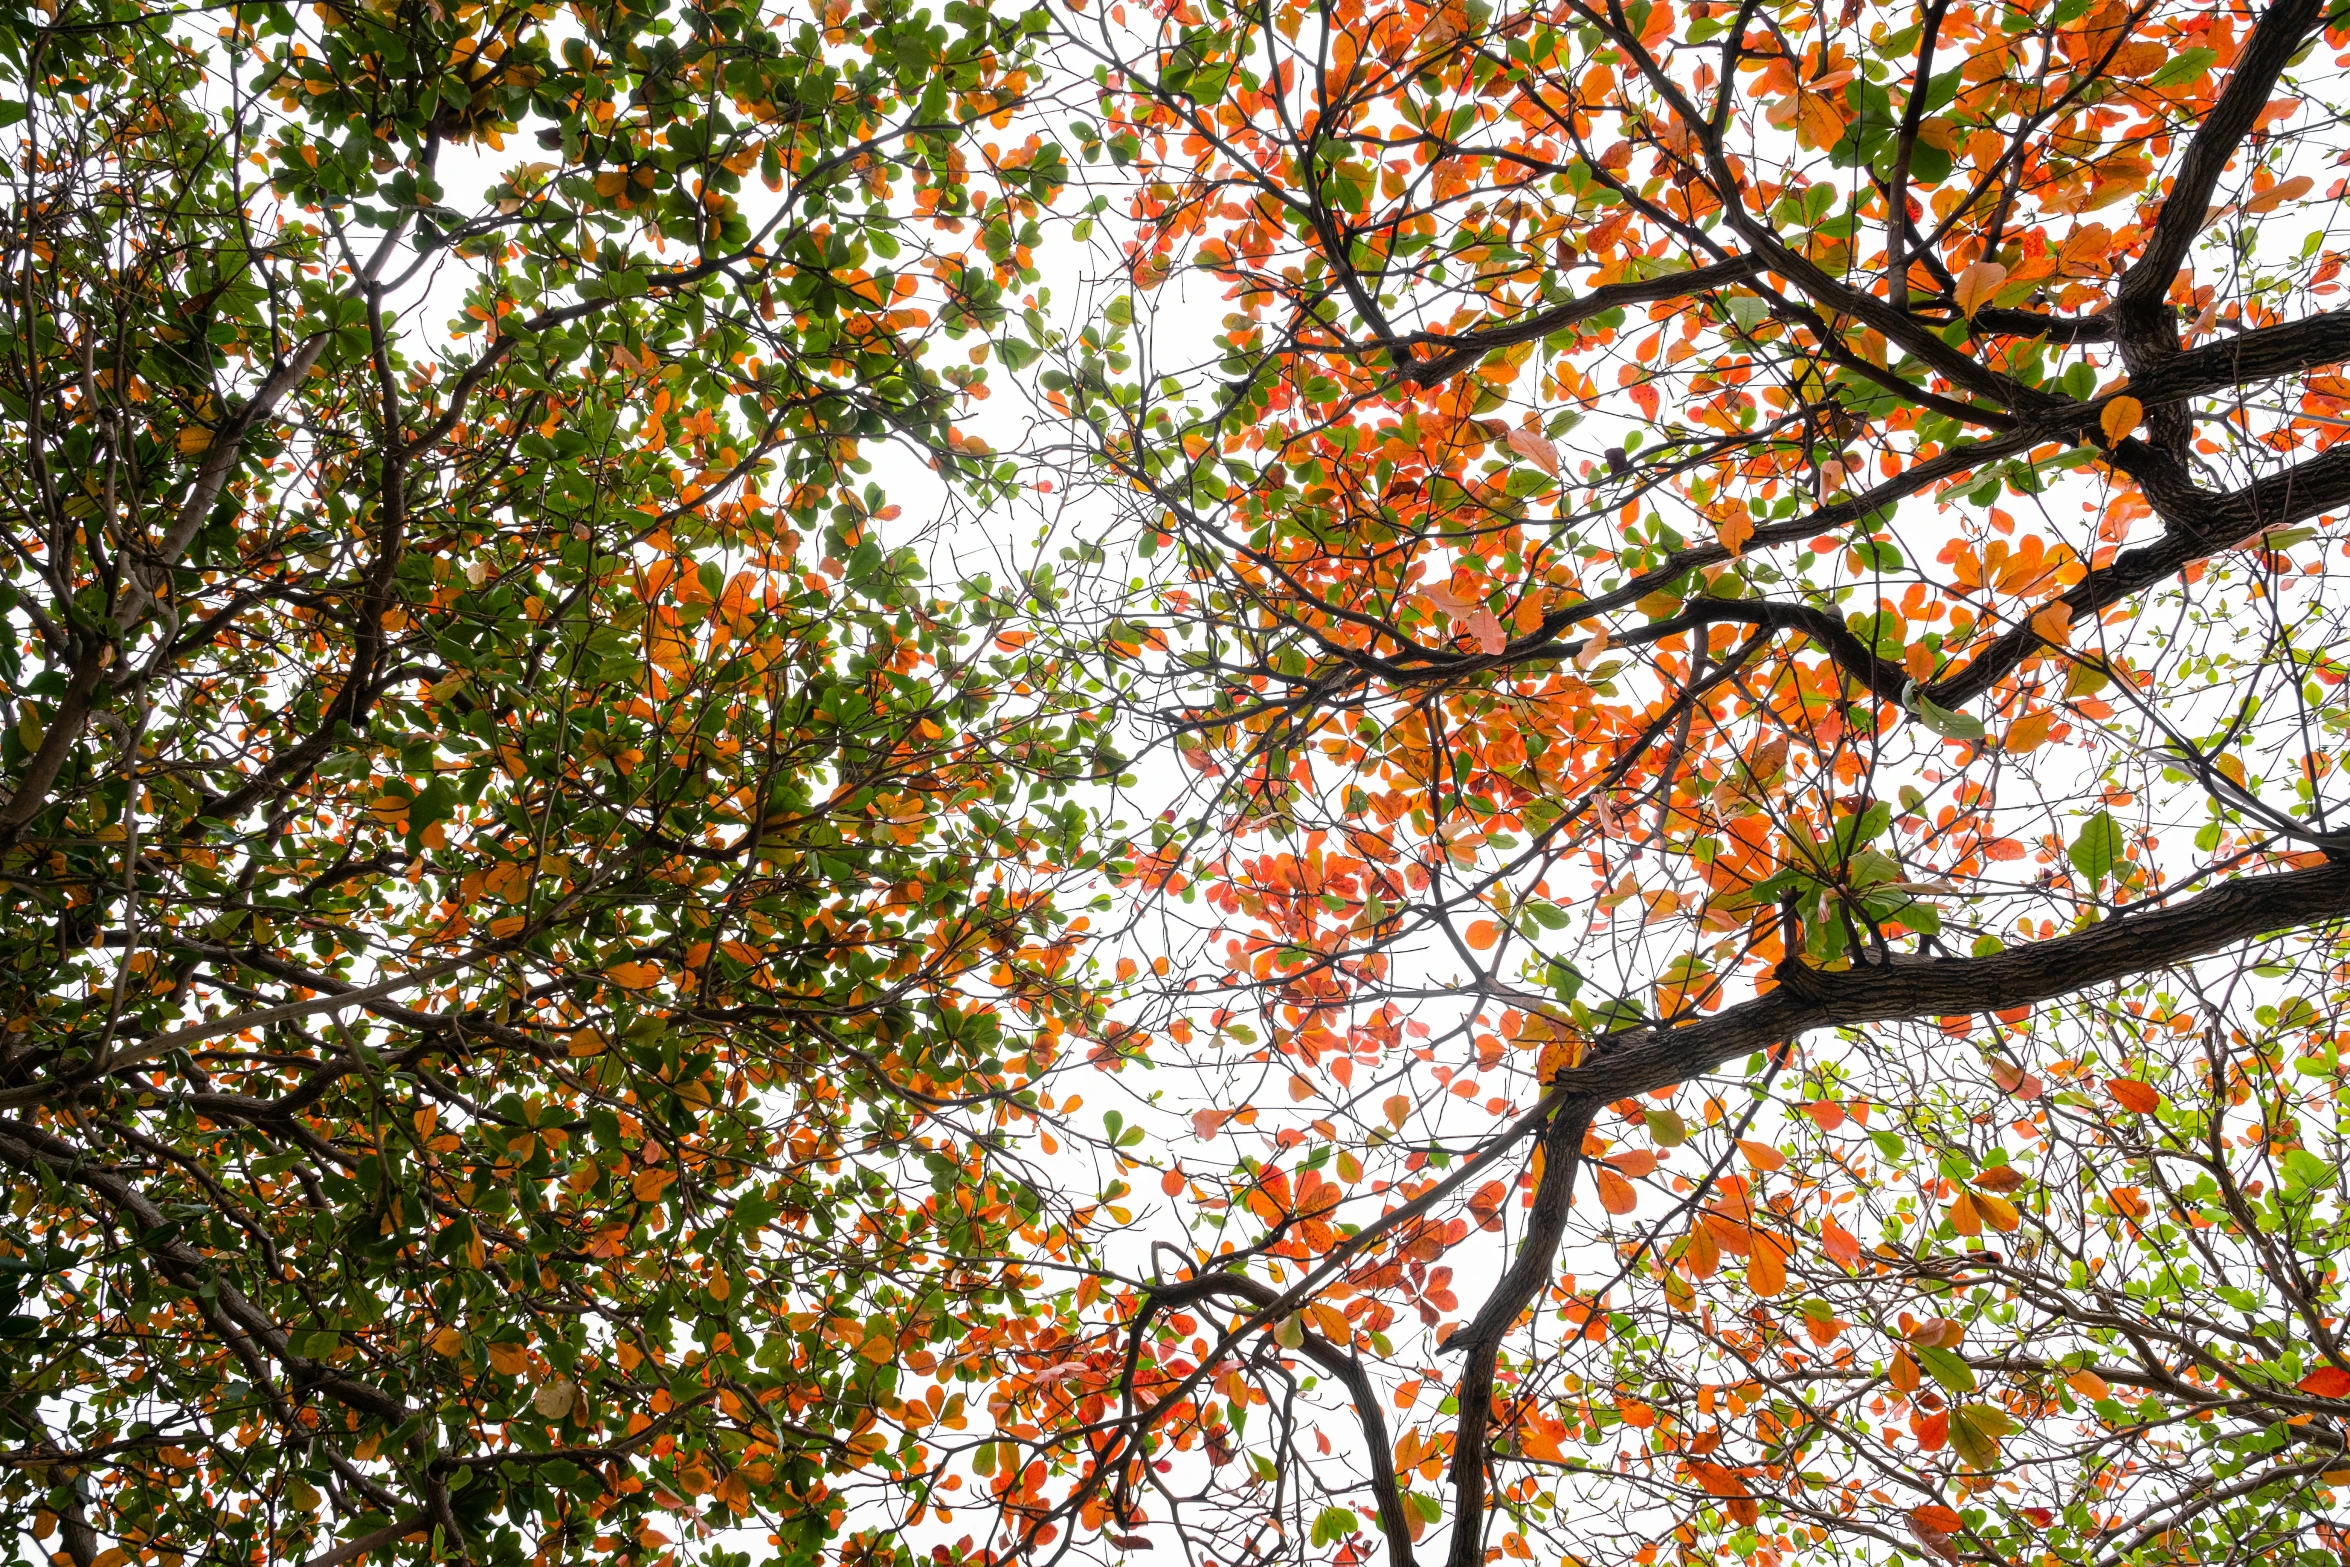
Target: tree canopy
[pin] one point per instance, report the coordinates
(1659, 726)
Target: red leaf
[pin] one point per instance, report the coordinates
(2326, 1382)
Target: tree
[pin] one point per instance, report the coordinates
(1752, 593)
(521, 910)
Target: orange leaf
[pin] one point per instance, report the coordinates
(1705, 1252)
(1536, 447)
(1766, 1270)
(1718, 1480)
(1483, 933)
(1818, 120)
(2134, 1096)
(1998, 1213)
(2028, 733)
(647, 1185)
(1999, 1178)
(2055, 624)
(1840, 1244)
(2277, 195)
(1633, 1163)
(2090, 1385)
(1762, 1155)
(2121, 416)
(1615, 1193)
(1734, 532)
(1977, 284)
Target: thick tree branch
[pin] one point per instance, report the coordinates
(1528, 1276)
(1633, 1061)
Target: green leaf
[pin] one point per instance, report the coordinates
(2096, 847)
(1334, 1524)
(1975, 1430)
(2306, 1171)
(1949, 725)
(1949, 1368)
(2188, 65)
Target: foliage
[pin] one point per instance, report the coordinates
(1731, 623)
(1751, 596)
(521, 907)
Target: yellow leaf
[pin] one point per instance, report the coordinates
(2121, 416)
(1998, 1213)
(1977, 283)
(448, 1341)
(2085, 679)
(510, 1360)
(193, 439)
